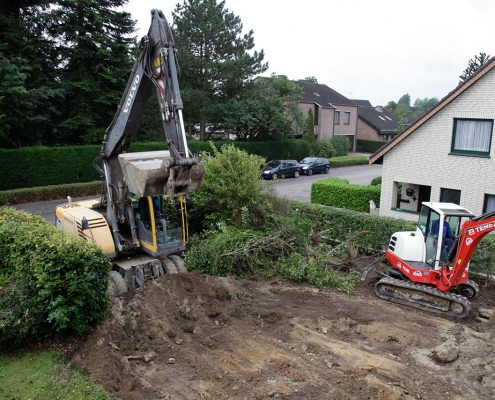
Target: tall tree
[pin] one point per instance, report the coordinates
(93, 44)
(309, 130)
(405, 100)
(30, 91)
(473, 66)
(266, 110)
(214, 56)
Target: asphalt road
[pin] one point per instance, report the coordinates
(292, 188)
(300, 188)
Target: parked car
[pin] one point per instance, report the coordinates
(278, 169)
(315, 165)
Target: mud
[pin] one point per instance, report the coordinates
(194, 336)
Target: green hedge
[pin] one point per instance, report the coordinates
(47, 193)
(347, 161)
(340, 224)
(338, 192)
(370, 146)
(42, 166)
(49, 281)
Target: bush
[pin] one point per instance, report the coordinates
(483, 262)
(376, 181)
(49, 281)
(324, 148)
(347, 161)
(338, 192)
(341, 145)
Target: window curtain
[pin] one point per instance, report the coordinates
(490, 203)
(473, 135)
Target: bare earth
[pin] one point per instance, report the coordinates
(194, 336)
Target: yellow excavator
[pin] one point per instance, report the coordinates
(130, 221)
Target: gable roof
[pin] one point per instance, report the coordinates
(461, 88)
(362, 103)
(325, 97)
(383, 120)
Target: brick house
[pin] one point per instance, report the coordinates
(445, 155)
(334, 114)
(375, 123)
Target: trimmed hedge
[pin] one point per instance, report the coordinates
(49, 281)
(339, 193)
(370, 146)
(341, 224)
(47, 193)
(347, 161)
(43, 166)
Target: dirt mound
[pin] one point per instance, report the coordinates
(192, 336)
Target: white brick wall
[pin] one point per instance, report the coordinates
(423, 157)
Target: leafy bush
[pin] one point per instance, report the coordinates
(230, 189)
(376, 181)
(324, 148)
(338, 192)
(50, 281)
(341, 145)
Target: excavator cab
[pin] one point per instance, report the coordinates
(432, 221)
(154, 231)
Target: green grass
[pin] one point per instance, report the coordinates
(45, 375)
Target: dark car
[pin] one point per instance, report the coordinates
(314, 165)
(278, 169)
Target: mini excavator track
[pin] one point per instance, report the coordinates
(424, 297)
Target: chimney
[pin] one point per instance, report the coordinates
(379, 108)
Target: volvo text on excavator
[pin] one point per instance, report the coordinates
(428, 274)
(130, 220)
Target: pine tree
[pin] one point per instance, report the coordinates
(94, 49)
(214, 58)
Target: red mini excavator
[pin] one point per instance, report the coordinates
(427, 273)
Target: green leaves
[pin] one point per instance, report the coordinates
(58, 280)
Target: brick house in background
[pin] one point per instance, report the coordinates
(334, 114)
(446, 154)
(375, 122)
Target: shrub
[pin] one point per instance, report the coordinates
(50, 281)
(230, 189)
(347, 161)
(376, 181)
(483, 261)
(341, 145)
(370, 146)
(324, 148)
(338, 192)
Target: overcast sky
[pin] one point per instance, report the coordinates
(363, 49)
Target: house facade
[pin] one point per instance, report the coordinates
(447, 155)
(375, 122)
(334, 114)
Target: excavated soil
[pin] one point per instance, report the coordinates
(194, 336)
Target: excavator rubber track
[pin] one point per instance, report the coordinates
(423, 297)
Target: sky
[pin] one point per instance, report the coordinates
(363, 49)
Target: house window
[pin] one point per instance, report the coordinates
(347, 118)
(472, 137)
(450, 196)
(489, 203)
(336, 117)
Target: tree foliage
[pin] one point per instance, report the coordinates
(266, 110)
(230, 192)
(309, 130)
(473, 66)
(408, 113)
(64, 65)
(215, 59)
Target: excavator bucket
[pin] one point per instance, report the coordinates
(155, 172)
